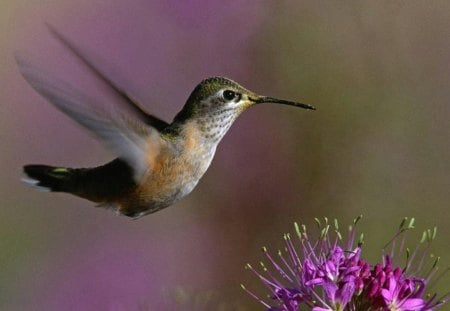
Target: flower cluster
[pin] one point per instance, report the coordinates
(328, 274)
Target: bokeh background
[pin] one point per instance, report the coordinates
(378, 145)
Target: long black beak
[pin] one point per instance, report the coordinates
(265, 99)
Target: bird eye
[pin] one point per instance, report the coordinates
(229, 95)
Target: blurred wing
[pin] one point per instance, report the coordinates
(134, 105)
(131, 139)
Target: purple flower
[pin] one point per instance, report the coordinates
(328, 274)
(398, 295)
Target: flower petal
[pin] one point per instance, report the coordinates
(412, 304)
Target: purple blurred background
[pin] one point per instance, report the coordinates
(378, 145)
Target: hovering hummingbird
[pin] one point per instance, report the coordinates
(158, 163)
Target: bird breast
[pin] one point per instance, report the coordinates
(178, 166)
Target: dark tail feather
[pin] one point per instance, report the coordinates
(104, 183)
(47, 178)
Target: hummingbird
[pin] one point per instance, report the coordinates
(158, 163)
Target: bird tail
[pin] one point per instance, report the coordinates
(48, 178)
(100, 184)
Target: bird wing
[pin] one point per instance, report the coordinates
(129, 137)
(133, 104)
